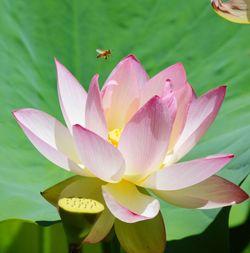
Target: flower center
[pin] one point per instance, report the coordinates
(114, 136)
(80, 205)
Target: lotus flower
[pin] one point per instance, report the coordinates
(128, 137)
(237, 11)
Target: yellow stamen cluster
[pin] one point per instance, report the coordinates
(80, 205)
(114, 136)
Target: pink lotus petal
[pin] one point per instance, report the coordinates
(201, 115)
(94, 114)
(176, 73)
(167, 89)
(120, 93)
(50, 137)
(183, 96)
(72, 97)
(145, 138)
(129, 205)
(185, 174)
(214, 192)
(99, 156)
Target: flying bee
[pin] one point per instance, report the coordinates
(103, 53)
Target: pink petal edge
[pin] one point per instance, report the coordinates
(50, 138)
(181, 175)
(94, 113)
(198, 121)
(214, 192)
(72, 96)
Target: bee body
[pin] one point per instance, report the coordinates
(103, 53)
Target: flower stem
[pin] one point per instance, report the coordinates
(111, 246)
(75, 248)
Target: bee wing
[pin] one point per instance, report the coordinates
(99, 51)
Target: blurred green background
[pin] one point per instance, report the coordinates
(159, 33)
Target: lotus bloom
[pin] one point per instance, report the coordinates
(130, 136)
(237, 11)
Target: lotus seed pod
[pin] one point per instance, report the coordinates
(78, 216)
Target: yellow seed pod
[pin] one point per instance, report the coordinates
(78, 217)
(80, 205)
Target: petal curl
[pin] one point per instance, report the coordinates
(127, 204)
(185, 174)
(237, 11)
(145, 138)
(72, 97)
(120, 92)
(50, 137)
(99, 156)
(94, 114)
(214, 192)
